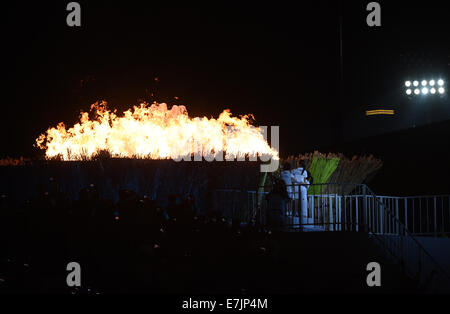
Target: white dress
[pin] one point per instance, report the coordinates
(287, 177)
(300, 176)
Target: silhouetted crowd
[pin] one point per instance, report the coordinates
(132, 245)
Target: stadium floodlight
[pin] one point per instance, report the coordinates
(425, 87)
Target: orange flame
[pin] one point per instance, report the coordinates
(155, 132)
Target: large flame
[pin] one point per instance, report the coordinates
(155, 132)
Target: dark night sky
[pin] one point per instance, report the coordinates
(277, 61)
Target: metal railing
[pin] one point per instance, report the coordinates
(355, 208)
(422, 215)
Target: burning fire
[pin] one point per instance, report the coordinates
(155, 132)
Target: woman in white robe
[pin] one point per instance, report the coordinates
(286, 176)
(302, 185)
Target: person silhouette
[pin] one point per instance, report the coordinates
(300, 175)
